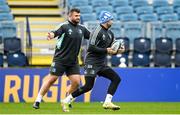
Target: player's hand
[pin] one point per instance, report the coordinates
(111, 51)
(50, 35)
(121, 50)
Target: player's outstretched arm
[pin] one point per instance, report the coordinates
(50, 35)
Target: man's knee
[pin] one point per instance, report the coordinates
(52, 79)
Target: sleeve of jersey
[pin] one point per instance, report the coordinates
(58, 31)
(93, 45)
(86, 33)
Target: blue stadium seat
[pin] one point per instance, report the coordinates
(172, 30)
(86, 9)
(148, 17)
(176, 4)
(164, 45)
(9, 48)
(157, 29)
(162, 59)
(115, 17)
(160, 3)
(139, 3)
(1, 45)
(88, 17)
(17, 59)
(133, 30)
(4, 9)
(169, 17)
(124, 10)
(177, 45)
(105, 8)
(116, 29)
(75, 3)
(115, 59)
(3, 2)
(165, 10)
(177, 59)
(1, 60)
(6, 17)
(128, 17)
(126, 43)
(99, 3)
(142, 45)
(144, 10)
(141, 59)
(119, 3)
(8, 29)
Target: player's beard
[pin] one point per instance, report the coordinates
(76, 21)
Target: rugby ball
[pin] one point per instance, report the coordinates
(117, 44)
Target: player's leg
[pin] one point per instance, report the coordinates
(115, 80)
(73, 73)
(89, 83)
(55, 71)
(44, 88)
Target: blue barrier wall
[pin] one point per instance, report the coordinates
(138, 84)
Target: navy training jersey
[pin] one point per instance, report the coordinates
(69, 42)
(100, 39)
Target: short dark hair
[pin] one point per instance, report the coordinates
(74, 10)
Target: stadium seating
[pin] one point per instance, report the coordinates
(172, 30)
(119, 3)
(177, 45)
(141, 59)
(164, 45)
(89, 17)
(86, 9)
(148, 17)
(6, 17)
(176, 4)
(17, 59)
(124, 10)
(177, 59)
(3, 2)
(142, 45)
(8, 29)
(4, 9)
(144, 10)
(1, 45)
(76, 3)
(128, 17)
(162, 59)
(169, 17)
(98, 3)
(139, 3)
(116, 29)
(132, 30)
(1, 60)
(116, 59)
(106, 8)
(9, 48)
(165, 10)
(157, 30)
(160, 3)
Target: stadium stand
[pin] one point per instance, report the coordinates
(1, 60)
(134, 19)
(141, 59)
(17, 59)
(162, 59)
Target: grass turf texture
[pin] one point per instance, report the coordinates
(93, 108)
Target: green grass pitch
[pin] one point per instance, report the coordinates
(93, 108)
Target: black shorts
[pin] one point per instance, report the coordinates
(93, 70)
(59, 69)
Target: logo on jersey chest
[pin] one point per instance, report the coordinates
(80, 31)
(69, 31)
